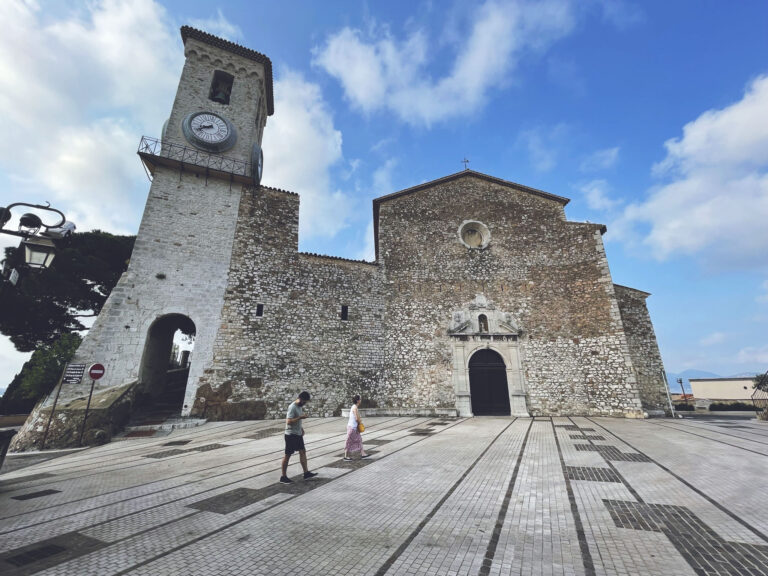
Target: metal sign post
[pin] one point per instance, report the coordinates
(73, 374)
(95, 372)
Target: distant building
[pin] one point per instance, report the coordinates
(723, 389)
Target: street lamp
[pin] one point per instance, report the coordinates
(682, 387)
(38, 251)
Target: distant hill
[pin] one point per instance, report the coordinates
(687, 375)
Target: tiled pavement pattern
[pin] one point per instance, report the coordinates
(482, 496)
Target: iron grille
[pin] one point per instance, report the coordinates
(179, 151)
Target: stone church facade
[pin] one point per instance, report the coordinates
(483, 298)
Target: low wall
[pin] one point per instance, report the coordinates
(108, 414)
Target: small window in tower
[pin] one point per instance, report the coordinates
(482, 320)
(344, 312)
(221, 87)
(259, 310)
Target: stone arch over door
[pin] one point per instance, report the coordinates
(153, 371)
(489, 392)
(501, 335)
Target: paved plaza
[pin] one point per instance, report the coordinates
(479, 496)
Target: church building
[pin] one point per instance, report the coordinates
(483, 299)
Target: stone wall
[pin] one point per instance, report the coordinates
(300, 341)
(395, 349)
(550, 274)
(644, 349)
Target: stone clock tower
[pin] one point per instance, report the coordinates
(209, 154)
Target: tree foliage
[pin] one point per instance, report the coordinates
(39, 375)
(46, 304)
(761, 382)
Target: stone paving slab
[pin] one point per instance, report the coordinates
(481, 496)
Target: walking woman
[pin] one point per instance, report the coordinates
(354, 439)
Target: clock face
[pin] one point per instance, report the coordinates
(209, 127)
(209, 131)
(257, 160)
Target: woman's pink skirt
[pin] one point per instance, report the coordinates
(354, 440)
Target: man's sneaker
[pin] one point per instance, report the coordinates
(285, 480)
(347, 459)
(309, 475)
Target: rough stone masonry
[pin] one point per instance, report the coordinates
(464, 263)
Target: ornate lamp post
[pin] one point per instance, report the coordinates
(38, 251)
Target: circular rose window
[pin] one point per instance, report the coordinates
(474, 234)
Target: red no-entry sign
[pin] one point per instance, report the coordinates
(96, 371)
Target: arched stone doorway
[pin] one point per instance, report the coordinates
(488, 384)
(163, 372)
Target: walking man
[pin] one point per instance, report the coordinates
(294, 437)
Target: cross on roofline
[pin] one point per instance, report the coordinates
(465, 162)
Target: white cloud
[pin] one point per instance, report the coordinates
(600, 160)
(543, 145)
(621, 13)
(715, 201)
(368, 251)
(77, 95)
(301, 146)
(763, 298)
(751, 354)
(712, 339)
(382, 73)
(219, 26)
(597, 195)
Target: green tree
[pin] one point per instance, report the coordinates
(49, 303)
(761, 382)
(39, 375)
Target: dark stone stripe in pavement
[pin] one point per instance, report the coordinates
(709, 499)
(376, 442)
(400, 549)
(586, 555)
(177, 451)
(490, 550)
(592, 474)
(587, 437)
(176, 443)
(354, 464)
(47, 553)
(238, 498)
(32, 495)
(266, 433)
(609, 453)
(207, 448)
(166, 453)
(612, 453)
(704, 550)
(5, 483)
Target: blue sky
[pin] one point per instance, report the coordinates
(651, 116)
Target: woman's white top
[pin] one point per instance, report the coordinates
(352, 420)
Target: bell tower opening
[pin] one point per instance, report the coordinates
(221, 87)
(488, 384)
